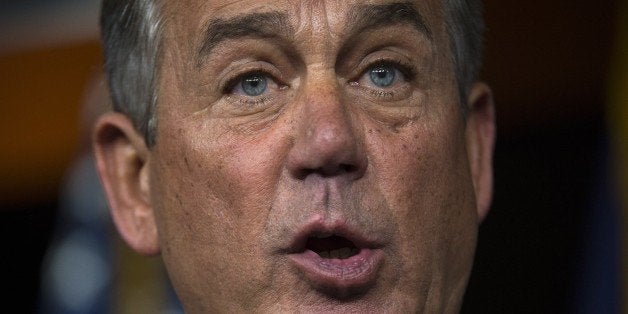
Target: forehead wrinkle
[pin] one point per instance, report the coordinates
(273, 24)
(312, 16)
(317, 29)
(365, 17)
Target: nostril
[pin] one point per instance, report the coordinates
(347, 168)
(333, 169)
(301, 174)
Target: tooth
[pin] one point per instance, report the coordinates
(354, 251)
(324, 254)
(342, 253)
(334, 253)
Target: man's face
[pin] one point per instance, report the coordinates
(311, 156)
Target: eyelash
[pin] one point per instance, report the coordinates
(231, 83)
(249, 101)
(407, 70)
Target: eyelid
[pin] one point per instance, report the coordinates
(238, 103)
(245, 104)
(233, 83)
(405, 68)
(405, 74)
(256, 68)
(401, 88)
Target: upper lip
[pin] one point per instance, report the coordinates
(338, 228)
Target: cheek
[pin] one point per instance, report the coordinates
(424, 175)
(218, 175)
(214, 194)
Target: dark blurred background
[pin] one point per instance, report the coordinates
(551, 243)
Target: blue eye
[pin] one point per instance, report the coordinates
(253, 85)
(383, 75)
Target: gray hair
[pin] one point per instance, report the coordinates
(131, 33)
(465, 25)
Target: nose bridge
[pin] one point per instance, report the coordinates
(326, 141)
(326, 122)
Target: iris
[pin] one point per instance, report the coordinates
(254, 85)
(382, 76)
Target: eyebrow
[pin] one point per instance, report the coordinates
(368, 17)
(275, 24)
(255, 25)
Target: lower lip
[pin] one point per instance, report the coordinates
(340, 277)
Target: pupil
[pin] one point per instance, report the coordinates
(382, 76)
(254, 85)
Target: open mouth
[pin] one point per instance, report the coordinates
(336, 260)
(332, 246)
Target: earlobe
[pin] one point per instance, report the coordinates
(480, 137)
(122, 159)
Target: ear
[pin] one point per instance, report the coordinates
(480, 137)
(122, 159)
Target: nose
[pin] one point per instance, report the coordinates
(327, 140)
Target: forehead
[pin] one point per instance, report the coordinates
(227, 8)
(188, 19)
